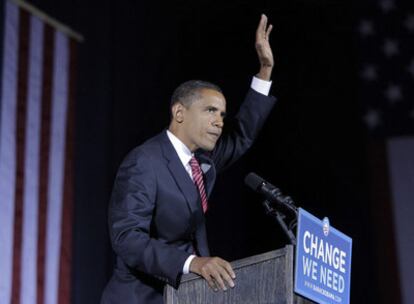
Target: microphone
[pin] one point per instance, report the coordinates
(272, 193)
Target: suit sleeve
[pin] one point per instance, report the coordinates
(130, 214)
(249, 120)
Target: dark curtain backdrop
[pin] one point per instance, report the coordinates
(137, 52)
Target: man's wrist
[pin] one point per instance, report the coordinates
(265, 72)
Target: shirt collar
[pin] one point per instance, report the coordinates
(182, 150)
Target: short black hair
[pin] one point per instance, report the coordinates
(189, 91)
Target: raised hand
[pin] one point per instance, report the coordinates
(263, 49)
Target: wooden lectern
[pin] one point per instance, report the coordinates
(265, 278)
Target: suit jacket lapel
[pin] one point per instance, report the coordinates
(180, 175)
(189, 189)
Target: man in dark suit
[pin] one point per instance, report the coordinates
(156, 213)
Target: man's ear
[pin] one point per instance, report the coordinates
(178, 112)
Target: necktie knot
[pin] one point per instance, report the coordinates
(195, 166)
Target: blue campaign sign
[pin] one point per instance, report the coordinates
(323, 261)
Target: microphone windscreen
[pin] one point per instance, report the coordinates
(253, 181)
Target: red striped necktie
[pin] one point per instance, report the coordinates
(198, 180)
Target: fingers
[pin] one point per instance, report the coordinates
(225, 275)
(263, 23)
(269, 29)
(215, 280)
(261, 28)
(217, 272)
(229, 270)
(263, 31)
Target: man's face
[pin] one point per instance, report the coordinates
(203, 121)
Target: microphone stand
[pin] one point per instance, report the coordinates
(280, 218)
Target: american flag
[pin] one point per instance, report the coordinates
(36, 157)
(386, 44)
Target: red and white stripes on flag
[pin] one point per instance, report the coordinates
(36, 160)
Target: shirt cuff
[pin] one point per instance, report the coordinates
(186, 268)
(261, 86)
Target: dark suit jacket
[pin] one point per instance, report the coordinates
(155, 215)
